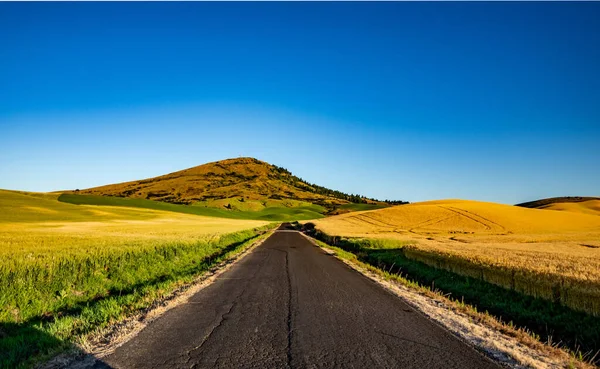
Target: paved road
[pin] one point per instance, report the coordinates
(289, 304)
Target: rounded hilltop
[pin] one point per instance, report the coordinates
(244, 178)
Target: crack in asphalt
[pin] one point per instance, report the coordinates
(407, 340)
(207, 337)
(289, 312)
(221, 320)
(289, 317)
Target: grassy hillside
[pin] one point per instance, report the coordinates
(39, 223)
(16, 206)
(67, 270)
(348, 208)
(226, 208)
(245, 179)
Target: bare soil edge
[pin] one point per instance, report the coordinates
(106, 341)
(509, 351)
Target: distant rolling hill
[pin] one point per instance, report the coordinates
(241, 184)
(577, 204)
(450, 217)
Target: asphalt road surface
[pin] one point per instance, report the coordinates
(288, 304)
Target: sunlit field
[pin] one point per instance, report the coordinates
(543, 253)
(67, 269)
(591, 207)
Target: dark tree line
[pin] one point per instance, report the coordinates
(395, 202)
(293, 180)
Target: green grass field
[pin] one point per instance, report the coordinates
(68, 270)
(302, 211)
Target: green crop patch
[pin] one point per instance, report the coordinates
(269, 213)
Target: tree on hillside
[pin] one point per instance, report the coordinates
(287, 177)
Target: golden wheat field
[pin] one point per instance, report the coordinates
(36, 225)
(547, 253)
(53, 254)
(591, 207)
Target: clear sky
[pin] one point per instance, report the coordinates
(411, 101)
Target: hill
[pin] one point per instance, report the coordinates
(539, 204)
(270, 212)
(458, 217)
(550, 254)
(584, 205)
(242, 184)
(591, 207)
(45, 209)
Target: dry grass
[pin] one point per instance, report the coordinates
(544, 253)
(233, 178)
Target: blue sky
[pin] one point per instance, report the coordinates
(413, 101)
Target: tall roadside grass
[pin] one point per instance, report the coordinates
(486, 289)
(52, 302)
(577, 294)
